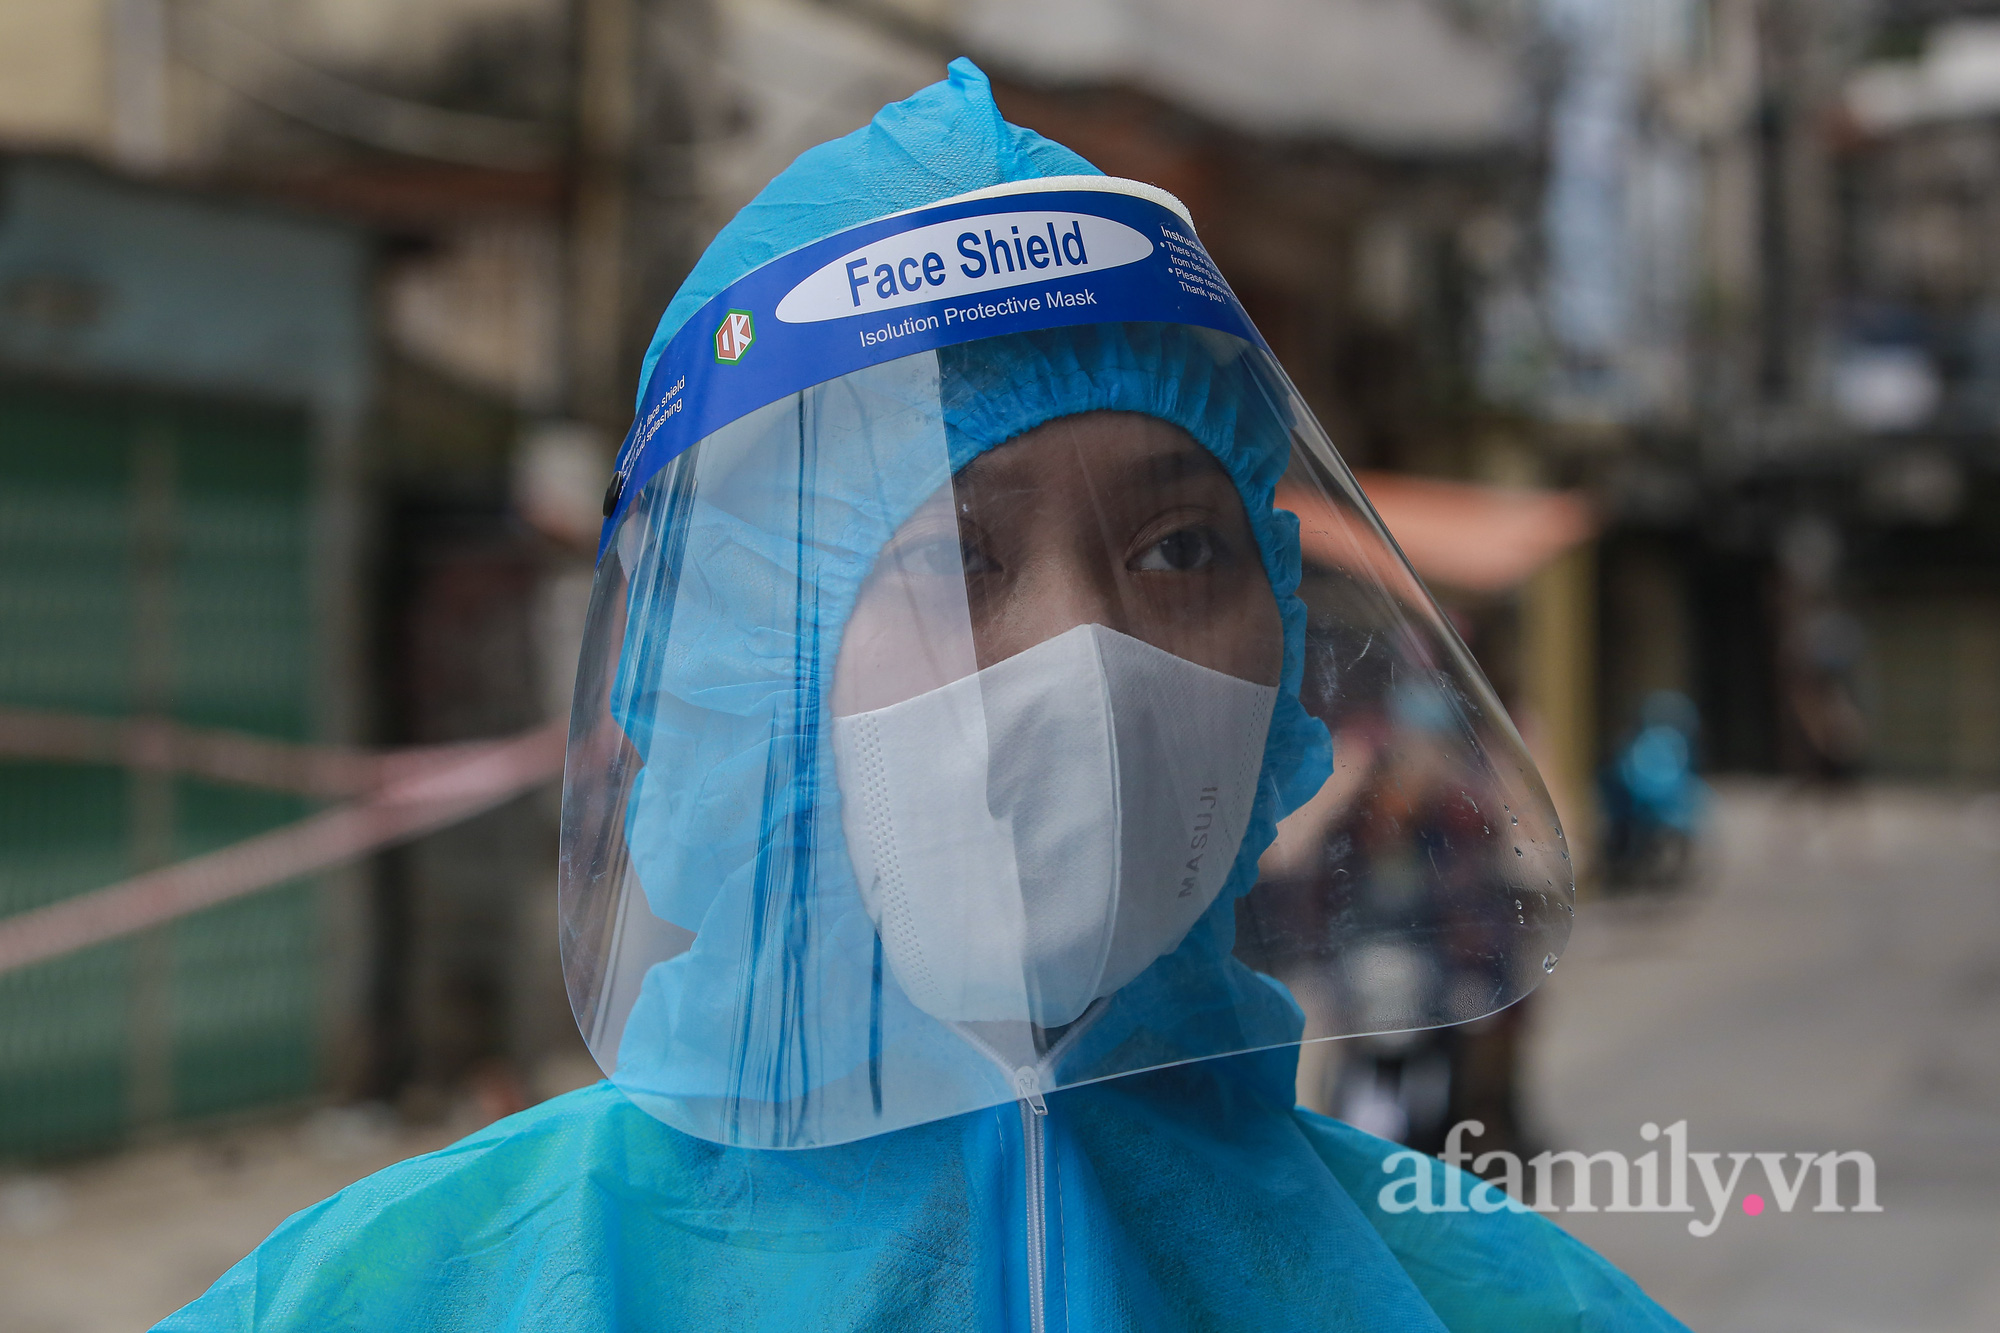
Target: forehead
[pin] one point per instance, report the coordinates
(1117, 453)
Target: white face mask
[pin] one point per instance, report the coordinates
(1035, 835)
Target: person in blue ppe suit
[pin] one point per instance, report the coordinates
(1654, 801)
(898, 683)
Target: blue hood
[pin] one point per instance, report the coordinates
(949, 139)
(733, 817)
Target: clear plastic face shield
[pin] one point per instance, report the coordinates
(975, 723)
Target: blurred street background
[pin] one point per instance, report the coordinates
(1665, 335)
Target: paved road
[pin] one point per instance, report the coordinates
(1832, 983)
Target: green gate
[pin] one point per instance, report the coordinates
(154, 561)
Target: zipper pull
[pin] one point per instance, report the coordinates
(1028, 1086)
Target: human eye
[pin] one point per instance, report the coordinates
(1184, 551)
(946, 554)
(973, 557)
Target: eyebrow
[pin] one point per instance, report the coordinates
(1176, 465)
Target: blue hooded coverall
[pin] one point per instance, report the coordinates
(1191, 1197)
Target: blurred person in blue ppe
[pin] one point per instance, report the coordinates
(941, 692)
(1654, 801)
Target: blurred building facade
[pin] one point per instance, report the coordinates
(295, 298)
(1917, 374)
(183, 380)
(1793, 423)
(521, 184)
(1719, 264)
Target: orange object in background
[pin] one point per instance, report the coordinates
(1460, 535)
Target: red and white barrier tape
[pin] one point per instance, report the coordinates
(153, 744)
(408, 793)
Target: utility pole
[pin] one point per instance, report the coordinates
(642, 74)
(601, 169)
(1774, 116)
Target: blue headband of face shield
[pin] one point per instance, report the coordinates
(718, 833)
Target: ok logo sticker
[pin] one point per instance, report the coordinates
(734, 336)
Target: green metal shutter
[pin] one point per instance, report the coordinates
(154, 559)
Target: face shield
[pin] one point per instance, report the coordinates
(995, 682)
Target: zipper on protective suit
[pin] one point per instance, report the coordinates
(1028, 1082)
(1034, 1118)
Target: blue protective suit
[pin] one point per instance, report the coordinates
(1194, 1196)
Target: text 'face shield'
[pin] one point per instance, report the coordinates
(968, 725)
